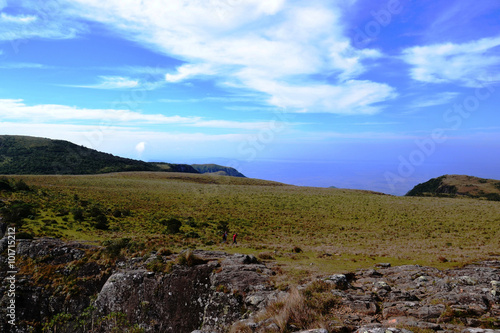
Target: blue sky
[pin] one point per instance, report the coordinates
(376, 95)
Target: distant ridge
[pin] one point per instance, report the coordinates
(458, 186)
(217, 169)
(24, 155)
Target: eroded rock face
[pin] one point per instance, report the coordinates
(210, 296)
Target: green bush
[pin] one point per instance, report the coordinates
(493, 196)
(114, 247)
(24, 235)
(173, 226)
(78, 214)
(20, 185)
(17, 211)
(101, 222)
(5, 185)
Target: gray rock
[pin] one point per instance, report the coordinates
(4, 243)
(3, 228)
(467, 280)
(338, 281)
(380, 329)
(383, 265)
(272, 328)
(427, 312)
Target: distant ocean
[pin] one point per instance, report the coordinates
(363, 175)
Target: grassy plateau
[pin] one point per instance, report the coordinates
(304, 230)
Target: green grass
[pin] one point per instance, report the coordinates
(339, 230)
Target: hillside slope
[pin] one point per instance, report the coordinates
(217, 169)
(32, 155)
(459, 185)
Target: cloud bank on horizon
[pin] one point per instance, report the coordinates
(250, 80)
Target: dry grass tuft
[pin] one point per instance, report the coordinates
(310, 308)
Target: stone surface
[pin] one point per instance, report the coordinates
(222, 289)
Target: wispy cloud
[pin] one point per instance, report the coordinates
(46, 21)
(225, 99)
(279, 55)
(22, 65)
(454, 16)
(469, 64)
(232, 124)
(111, 82)
(21, 19)
(374, 123)
(16, 109)
(189, 71)
(434, 100)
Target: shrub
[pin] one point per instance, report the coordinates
(95, 212)
(173, 225)
(24, 235)
(493, 196)
(101, 222)
(296, 249)
(164, 252)
(20, 185)
(265, 255)
(17, 211)
(158, 266)
(188, 258)
(78, 214)
(114, 247)
(223, 225)
(5, 185)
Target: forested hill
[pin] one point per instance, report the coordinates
(459, 186)
(33, 155)
(217, 169)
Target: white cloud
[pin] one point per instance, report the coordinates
(352, 97)
(112, 82)
(433, 100)
(47, 21)
(233, 124)
(188, 71)
(22, 65)
(22, 19)
(140, 147)
(469, 64)
(16, 109)
(241, 42)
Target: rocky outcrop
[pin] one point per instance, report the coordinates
(407, 299)
(72, 287)
(210, 295)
